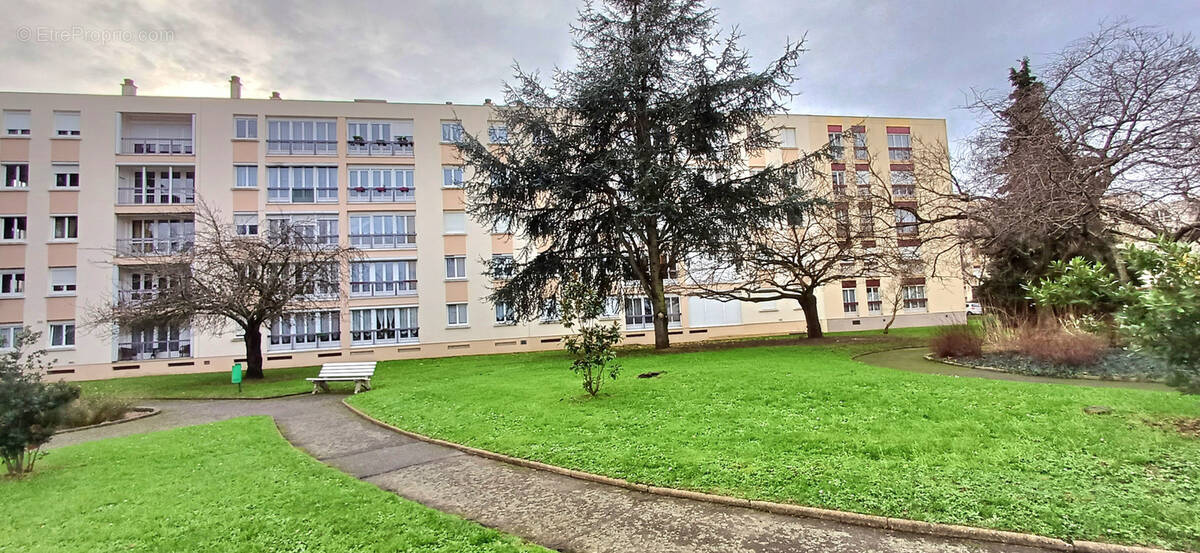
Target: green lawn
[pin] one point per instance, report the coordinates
(228, 486)
(275, 382)
(808, 425)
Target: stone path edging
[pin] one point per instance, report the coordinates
(143, 412)
(845, 517)
(951, 362)
(218, 398)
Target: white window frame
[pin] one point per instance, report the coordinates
(373, 326)
(16, 183)
(835, 146)
(849, 298)
(66, 124)
(62, 332)
(497, 133)
(302, 184)
(245, 127)
(14, 279)
(383, 277)
(17, 122)
(383, 231)
(63, 281)
(71, 170)
(381, 184)
(874, 297)
(452, 176)
(505, 314)
(16, 225)
(915, 293)
(456, 267)
(452, 131)
(246, 224)
(639, 313)
(320, 226)
(245, 176)
(450, 222)
(67, 224)
(321, 331)
(457, 315)
(899, 146)
(787, 137)
(8, 336)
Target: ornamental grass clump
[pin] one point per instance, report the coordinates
(957, 341)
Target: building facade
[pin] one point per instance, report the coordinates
(94, 183)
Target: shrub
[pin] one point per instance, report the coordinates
(957, 341)
(594, 344)
(1059, 347)
(87, 411)
(30, 409)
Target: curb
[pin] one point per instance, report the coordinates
(217, 398)
(143, 412)
(936, 359)
(788, 509)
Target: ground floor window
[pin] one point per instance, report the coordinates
(155, 342)
(639, 313)
(62, 334)
(914, 297)
(874, 300)
(505, 314)
(383, 325)
(849, 301)
(306, 330)
(9, 335)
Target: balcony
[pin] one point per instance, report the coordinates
(156, 186)
(156, 134)
(401, 146)
(375, 288)
(324, 194)
(153, 246)
(281, 147)
(399, 241)
(362, 194)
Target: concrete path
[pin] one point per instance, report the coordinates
(555, 511)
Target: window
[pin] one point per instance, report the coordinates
(866, 219)
(505, 314)
(9, 335)
(498, 133)
(914, 297)
(456, 314)
(549, 311)
(163, 341)
(502, 266)
(62, 281)
(454, 222)
(383, 325)
(849, 301)
(381, 184)
(862, 178)
(380, 138)
(306, 330)
(452, 177)
(62, 334)
(456, 267)
(787, 138)
(383, 231)
(66, 123)
(860, 143)
(16, 175)
(66, 176)
(874, 300)
(770, 305)
(321, 228)
(503, 226)
(711, 312)
(245, 176)
(12, 282)
(301, 137)
(899, 144)
(66, 227)
(16, 123)
(245, 224)
(838, 177)
(451, 131)
(245, 127)
(302, 184)
(841, 216)
(14, 228)
(157, 185)
(383, 278)
(639, 312)
(157, 236)
(835, 145)
(612, 308)
(903, 183)
(906, 221)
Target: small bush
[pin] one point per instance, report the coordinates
(87, 411)
(1059, 347)
(957, 341)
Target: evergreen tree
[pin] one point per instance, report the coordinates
(633, 159)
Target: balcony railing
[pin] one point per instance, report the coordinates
(156, 195)
(906, 229)
(310, 340)
(153, 246)
(401, 148)
(127, 296)
(156, 349)
(915, 304)
(156, 146)
(384, 241)
(324, 194)
(302, 147)
(383, 288)
(381, 194)
(904, 190)
(850, 307)
(638, 322)
(899, 154)
(875, 307)
(384, 336)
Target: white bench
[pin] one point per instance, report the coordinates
(358, 373)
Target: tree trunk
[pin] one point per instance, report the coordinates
(658, 299)
(254, 357)
(812, 319)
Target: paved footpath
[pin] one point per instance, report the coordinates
(555, 511)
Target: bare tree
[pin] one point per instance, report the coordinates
(223, 277)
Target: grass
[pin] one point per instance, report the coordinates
(809, 425)
(228, 486)
(275, 382)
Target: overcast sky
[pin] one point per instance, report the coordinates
(868, 58)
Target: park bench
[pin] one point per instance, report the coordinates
(358, 373)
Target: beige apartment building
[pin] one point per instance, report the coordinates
(94, 183)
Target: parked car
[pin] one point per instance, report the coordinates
(973, 308)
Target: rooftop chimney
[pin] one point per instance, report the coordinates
(275, 96)
(128, 88)
(235, 87)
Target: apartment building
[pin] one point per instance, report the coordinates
(94, 183)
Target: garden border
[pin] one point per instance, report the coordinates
(143, 412)
(788, 509)
(217, 398)
(932, 357)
